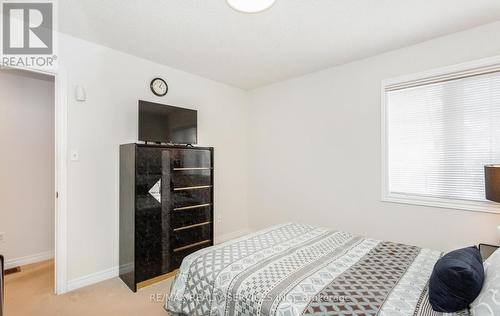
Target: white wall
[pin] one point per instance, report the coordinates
(26, 166)
(114, 82)
(315, 153)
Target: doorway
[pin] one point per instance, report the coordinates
(29, 210)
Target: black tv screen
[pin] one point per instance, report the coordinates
(167, 124)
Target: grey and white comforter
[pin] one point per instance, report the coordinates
(292, 270)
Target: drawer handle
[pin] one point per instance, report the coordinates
(193, 188)
(195, 168)
(192, 226)
(191, 207)
(192, 245)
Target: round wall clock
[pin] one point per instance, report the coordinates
(159, 87)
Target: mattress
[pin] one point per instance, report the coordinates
(293, 269)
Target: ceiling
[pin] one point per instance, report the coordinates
(294, 37)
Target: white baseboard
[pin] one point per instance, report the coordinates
(92, 279)
(22, 261)
(232, 235)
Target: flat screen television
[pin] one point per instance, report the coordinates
(167, 124)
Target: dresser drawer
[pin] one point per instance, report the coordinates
(191, 216)
(188, 238)
(186, 198)
(191, 158)
(178, 256)
(191, 178)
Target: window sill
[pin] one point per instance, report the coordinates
(472, 206)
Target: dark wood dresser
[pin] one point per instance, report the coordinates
(166, 208)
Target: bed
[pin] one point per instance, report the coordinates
(292, 270)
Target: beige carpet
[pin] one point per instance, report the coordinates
(30, 293)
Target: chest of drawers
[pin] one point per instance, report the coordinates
(166, 208)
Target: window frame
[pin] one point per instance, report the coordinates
(467, 69)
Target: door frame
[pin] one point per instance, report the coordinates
(61, 173)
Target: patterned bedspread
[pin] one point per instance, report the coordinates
(292, 270)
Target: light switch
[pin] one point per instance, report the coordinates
(74, 156)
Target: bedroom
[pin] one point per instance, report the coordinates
(289, 98)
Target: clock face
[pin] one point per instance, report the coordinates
(159, 87)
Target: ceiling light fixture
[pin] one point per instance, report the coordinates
(250, 6)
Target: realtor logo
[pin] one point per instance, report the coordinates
(27, 28)
(28, 36)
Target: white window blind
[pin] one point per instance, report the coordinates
(441, 134)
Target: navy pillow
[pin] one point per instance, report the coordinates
(456, 280)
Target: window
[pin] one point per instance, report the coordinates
(439, 131)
